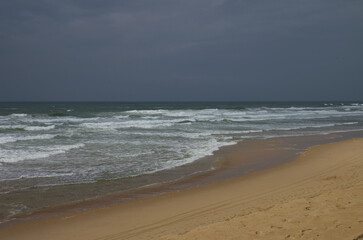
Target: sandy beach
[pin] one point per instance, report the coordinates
(319, 195)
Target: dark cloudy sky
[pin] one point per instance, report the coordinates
(127, 50)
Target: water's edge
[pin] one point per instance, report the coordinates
(65, 199)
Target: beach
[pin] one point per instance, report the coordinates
(179, 120)
(93, 154)
(316, 196)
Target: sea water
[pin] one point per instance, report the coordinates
(52, 144)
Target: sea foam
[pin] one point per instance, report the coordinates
(12, 138)
(12, 156)
(39, 128)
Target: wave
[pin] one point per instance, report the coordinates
(12, 127)
(18, 115)
(189, 155)
(52, 175)
(144, 124)
(176, 113)
(187, 135)
(151, 112)
(39, 128)
(51, 120)
(312, 126)
(122, 116)
(9, 139)
(137, 154)
(12, 156)
(26, 127)
(205, 149)
(347, 123)
(195, 117)
(252, 114)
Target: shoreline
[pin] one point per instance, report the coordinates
(253, 155)
(97, 154)
(228, 169)
(316, 196)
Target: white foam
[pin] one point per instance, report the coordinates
(144, 124)
(6, 139)
(136, 154)
(39, 128)
(122, 116)
(153, 140)
(312, 126)
(51, 120)
(238, 132)
(192, 113)
(12, 138)
(202, 113)
(198, 152)
(27, 128)
(148, 112)
(11, 156)
(38, 176)
(348, 123)
(12, 126)
(18, 115)
(167, 118)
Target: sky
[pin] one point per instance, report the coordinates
(168, 50)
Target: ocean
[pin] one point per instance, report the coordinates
(47, 146)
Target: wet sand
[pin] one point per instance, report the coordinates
(319, 195)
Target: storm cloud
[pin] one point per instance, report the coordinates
(167, 50)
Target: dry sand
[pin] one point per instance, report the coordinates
(317, 196)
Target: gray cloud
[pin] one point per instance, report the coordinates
(181, 50)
